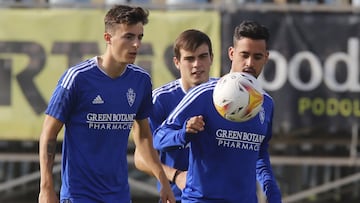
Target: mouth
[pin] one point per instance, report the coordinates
(250, 71)
(133, 54)
(197, 73)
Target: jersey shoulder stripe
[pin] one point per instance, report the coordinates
(167, 88)
(190, 97)
(70, 74)
(138, 69)
(267, 95)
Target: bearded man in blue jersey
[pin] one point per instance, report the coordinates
(221, 173)
(99, 101)
(193, 57)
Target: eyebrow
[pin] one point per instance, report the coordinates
(257, 54)
(132, 34)
(202, 54)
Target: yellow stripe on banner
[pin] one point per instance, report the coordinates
(38, 45)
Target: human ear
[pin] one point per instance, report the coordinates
(107, 37)
(231, 53)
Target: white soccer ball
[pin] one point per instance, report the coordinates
(238, 96)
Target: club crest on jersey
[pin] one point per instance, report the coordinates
(262, 115)
(131, 95)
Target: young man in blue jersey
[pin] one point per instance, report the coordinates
(193, 57)
(225, 171)
(99, 101)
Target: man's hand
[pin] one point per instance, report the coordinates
(195, 124)
(166, 194)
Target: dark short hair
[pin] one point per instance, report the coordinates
(252, 30)
(122, 14)
(190, 40)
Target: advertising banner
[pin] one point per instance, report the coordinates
(38, 45)
(313, 71)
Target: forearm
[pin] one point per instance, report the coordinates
(140, 164)
(167, 138)
(47, 150)
(266, 178)
(147, 159)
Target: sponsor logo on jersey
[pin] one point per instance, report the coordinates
(240, 140)
(98, 100)
(106, 121)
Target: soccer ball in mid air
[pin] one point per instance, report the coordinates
(238, 96)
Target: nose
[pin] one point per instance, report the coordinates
(137, 43)
(250, 62)
(197, 62)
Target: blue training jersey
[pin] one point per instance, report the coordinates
(98, 113)
(225, 159)
(165, 99)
